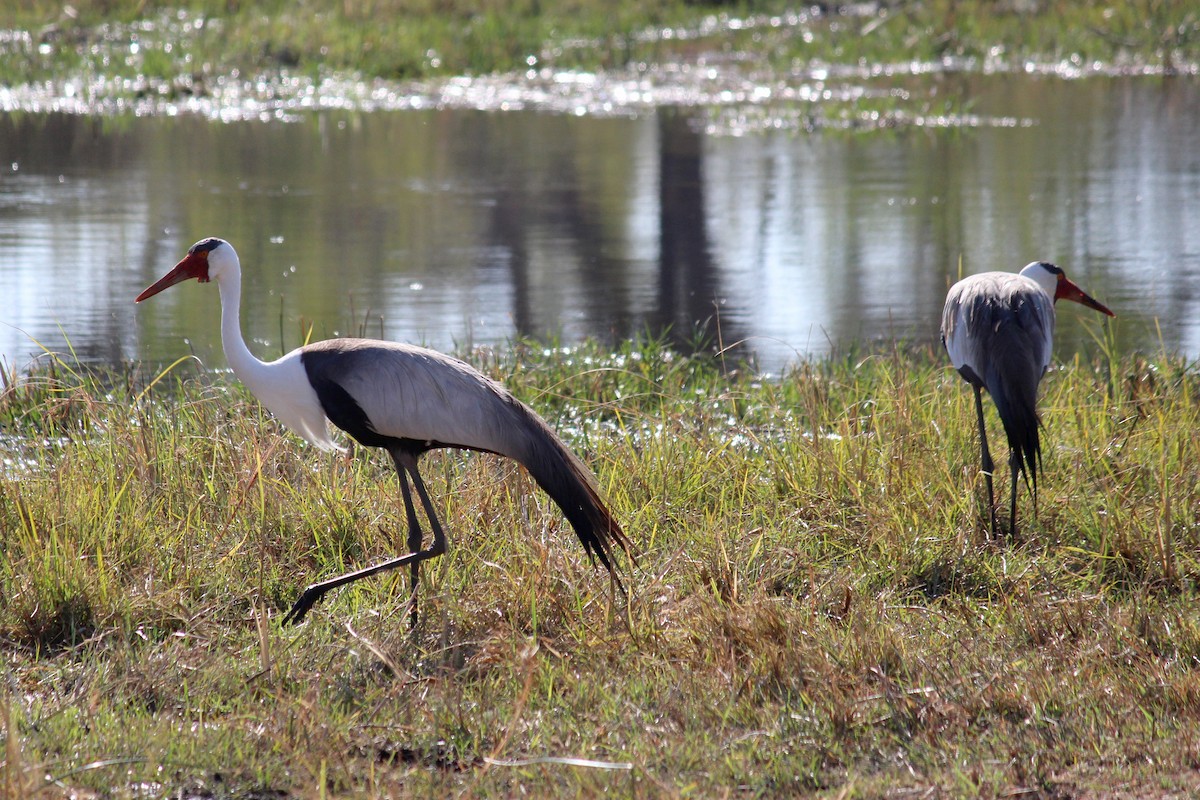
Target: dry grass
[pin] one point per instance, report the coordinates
(817, 610)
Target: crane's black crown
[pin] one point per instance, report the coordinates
(206, 245)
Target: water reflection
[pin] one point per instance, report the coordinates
(456, 227)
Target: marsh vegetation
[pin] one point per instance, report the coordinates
(816, 606)
(124, 52)
(816, 610)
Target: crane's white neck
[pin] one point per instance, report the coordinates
(1046, 280)
(245, 366)
(281, 385)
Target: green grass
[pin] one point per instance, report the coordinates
(191, 43)
(816, 610)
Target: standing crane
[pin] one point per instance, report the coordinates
(998, 329)
(407, 400)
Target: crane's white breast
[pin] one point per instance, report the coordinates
(283, 387)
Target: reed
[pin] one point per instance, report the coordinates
(817, 607)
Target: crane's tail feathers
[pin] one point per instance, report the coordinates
(570, 484)
(1013, 387)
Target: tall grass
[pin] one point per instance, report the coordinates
(190, 44)
(817, 606)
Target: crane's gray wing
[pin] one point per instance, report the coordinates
(997, 314)
(400, 391)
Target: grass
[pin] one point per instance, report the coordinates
(191, 44)
(817, 610)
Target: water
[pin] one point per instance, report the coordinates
(459, 227)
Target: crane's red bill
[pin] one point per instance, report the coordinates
(191, 266)
(1067, 290)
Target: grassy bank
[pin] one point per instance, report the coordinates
(202, 40)
(816, 608)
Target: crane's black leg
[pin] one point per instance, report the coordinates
(315, 592)
(1014, 463)
(1035, 503)
(407, 462)
(414, 538)
(439, 537)
(988, 467)
(438, 547)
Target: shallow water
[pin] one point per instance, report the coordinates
(452, 226)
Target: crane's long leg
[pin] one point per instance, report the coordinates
(439, 537)
(1014, 463)
(407, 462)
(988, 467)
(315, 592)
(1035, 502)
(414, 537)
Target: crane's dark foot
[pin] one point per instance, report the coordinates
(307, 600)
